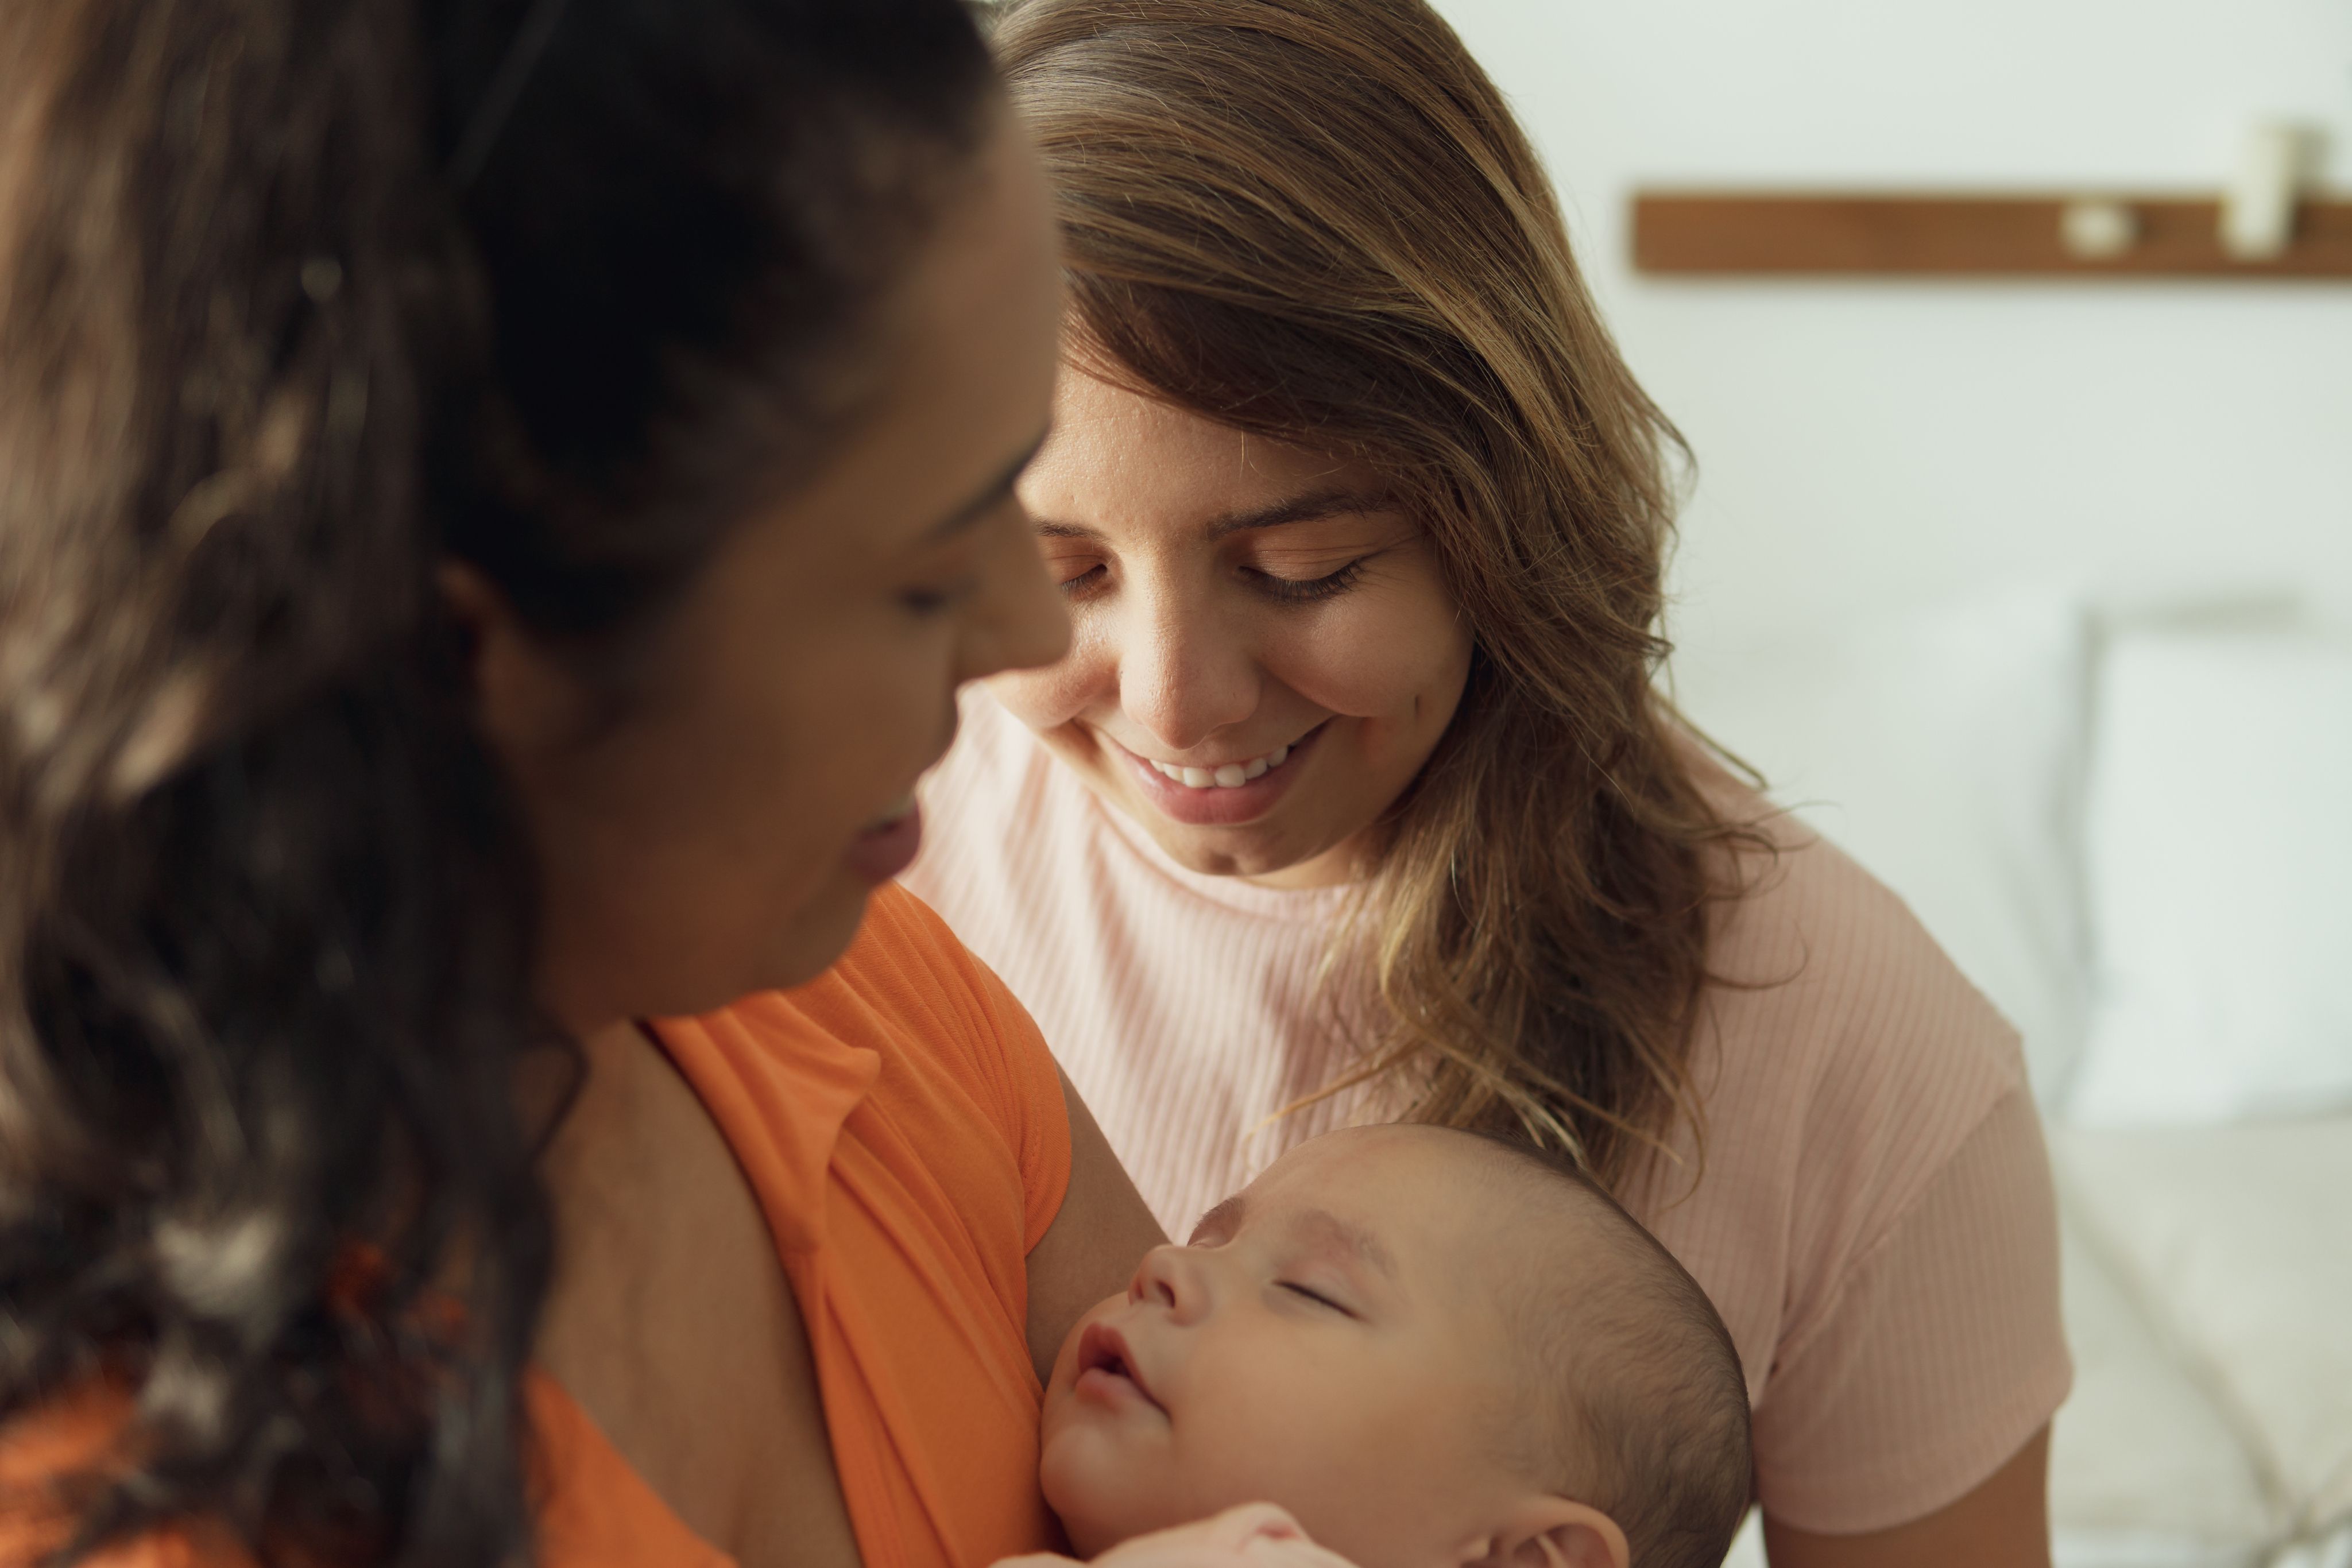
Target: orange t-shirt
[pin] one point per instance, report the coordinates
(902, 1126)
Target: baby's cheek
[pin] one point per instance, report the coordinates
(1258, 1439)
(1300, 1437)
(1104, 1487)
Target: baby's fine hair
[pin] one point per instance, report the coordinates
(1643, 1407)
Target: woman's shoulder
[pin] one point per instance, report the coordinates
(1855, 1091)
(906, 987)
(1834, 1029)
(909, 978)
(908, 1026)
(905, 959)
(902, 1115)
(1807, 940)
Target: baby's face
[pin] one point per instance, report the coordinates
(1328, 1341)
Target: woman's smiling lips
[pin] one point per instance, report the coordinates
(1107, 1369)
(1216, 803)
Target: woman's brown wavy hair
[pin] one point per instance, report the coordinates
(1317, 221)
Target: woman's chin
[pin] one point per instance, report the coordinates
(817, 934)
(1262, 854)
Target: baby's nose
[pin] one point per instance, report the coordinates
(1165, 1278)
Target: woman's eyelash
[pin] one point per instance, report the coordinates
(931, 601)
(1286, 590)
(1307, 590)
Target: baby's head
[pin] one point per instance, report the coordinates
(1432, 1347)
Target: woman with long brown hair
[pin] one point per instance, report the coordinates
(1355, 798)
(495, 499)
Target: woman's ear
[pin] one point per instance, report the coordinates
(474, 606)
(1553, 1532)
(524, 700)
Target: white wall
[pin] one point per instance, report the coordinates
(1876, 445)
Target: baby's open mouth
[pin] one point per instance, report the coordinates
(1103, 1352)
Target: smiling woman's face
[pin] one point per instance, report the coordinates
(1265, 652)
(722, 836)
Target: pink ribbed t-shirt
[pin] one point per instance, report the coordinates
(1874, 1220)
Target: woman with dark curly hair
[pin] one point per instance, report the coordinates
(495, 499)
(1355, 798)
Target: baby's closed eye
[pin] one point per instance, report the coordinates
(1317, 1297)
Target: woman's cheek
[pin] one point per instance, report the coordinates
(1375, 654)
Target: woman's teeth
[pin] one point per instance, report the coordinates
(1232, 776)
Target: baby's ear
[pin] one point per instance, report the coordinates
(1553, 1532)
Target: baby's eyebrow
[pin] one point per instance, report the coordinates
(1222, 1221)
(1327, 1229)
(1317, 1226)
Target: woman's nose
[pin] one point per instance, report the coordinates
(1171, 1278)
(1182, 676)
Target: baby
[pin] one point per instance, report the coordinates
(1432, 1348)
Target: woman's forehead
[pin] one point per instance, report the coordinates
(1110, 442)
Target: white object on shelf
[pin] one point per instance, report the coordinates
(2097, 229)
(2258, 207)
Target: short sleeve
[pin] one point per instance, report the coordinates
(1941, 1353)
(1010, 1072)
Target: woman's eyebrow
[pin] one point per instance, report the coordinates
(1304, 509)
(981, 504)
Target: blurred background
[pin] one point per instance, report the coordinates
(2037, 595)
(1872, 445)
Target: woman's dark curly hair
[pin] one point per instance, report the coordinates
(299, 300)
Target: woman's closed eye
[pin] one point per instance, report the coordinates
(931, 599)
(1091, 577)
(1307, 590)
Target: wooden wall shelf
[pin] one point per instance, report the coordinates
(1716, 234)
